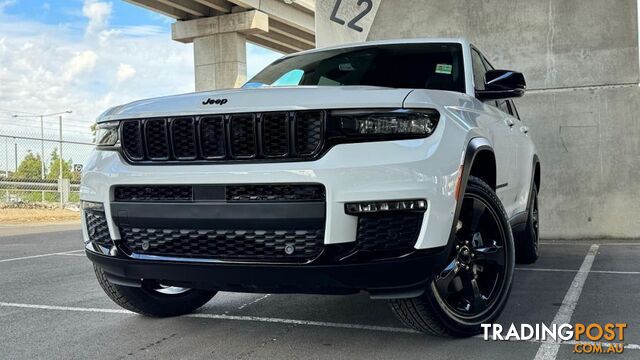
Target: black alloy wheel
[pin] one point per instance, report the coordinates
(474, 286)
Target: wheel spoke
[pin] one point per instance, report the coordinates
(444, 279)
(472, 293)
(492, 255)
(477, 214)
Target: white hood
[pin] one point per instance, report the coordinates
(260, 100)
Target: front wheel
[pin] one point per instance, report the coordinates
(474, 286)
(153, 298)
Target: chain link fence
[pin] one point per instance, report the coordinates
(38, 168)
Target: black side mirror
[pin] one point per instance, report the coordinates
(502, 84)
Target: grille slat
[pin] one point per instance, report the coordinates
(132, 139)
(308, 128)
(183, 136)
(243, 136)
(287, 245)
(275, 135)
(97, 228)
(212, 137)
(133, 193)
(269, 136)
(231, 193)
(272, 192)
(389, 232)
(157, 139)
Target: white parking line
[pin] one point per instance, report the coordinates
(220, 317)
(253, 302)
(584, 243)
(267, 320)
(39, 256)
(569, 342)
(592, 271)
(549, 351)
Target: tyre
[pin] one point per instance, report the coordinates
(154, 299)
(474, 286)
(527, 245)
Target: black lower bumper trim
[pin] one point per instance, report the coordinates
(385, 279)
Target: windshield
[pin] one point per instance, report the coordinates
(411, 66)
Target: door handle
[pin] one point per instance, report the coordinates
(509, 122)
(524, 129)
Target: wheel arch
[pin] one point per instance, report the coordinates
(536, 171)
(476, 146)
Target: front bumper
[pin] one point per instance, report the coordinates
(392, 170)
(394, 278)
(381, 171)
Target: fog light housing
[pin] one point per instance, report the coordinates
(92, 206)
(375, 207)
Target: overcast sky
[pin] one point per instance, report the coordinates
(85, 56)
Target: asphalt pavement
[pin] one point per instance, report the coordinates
(51, 307)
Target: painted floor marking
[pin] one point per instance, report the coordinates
(549, 350)
(220, 317)
(268, 320)
(592, 271)
(253, 302)
(40, 256)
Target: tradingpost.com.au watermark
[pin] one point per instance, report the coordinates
(589, 338)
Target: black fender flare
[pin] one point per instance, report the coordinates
(474, 146)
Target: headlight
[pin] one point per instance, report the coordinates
(107, 133)
(399, 124)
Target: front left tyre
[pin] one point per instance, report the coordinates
(474, 286)
(154, 299)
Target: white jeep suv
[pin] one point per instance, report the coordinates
(399, 168)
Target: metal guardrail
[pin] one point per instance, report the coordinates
(53, 185)
(14, 190)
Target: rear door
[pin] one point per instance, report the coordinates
(500, 125)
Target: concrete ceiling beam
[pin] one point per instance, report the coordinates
(218, 5)
(282, 12)
(248, 23)
(161, 8)
(189, 6)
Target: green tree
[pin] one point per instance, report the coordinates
(29, 167)
(54, 167)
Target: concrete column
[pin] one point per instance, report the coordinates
(220, 57)
(220, 61)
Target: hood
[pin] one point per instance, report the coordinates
(261, 100)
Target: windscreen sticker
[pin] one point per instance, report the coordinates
(444, 69)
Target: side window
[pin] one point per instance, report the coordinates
(505, 106)
(487, 64)
(515, 111)
(479, 70)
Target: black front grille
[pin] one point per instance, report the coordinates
(391, 232)
(229, 193)
(153, 193)
(292, 245)
(237, 137)
(97, 228)
(272, 192)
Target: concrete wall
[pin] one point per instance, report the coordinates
(580, 58)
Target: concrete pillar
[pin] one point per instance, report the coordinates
(220, 61)
(220, 57)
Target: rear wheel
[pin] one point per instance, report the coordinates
(475, 284)
(153, 298)
(528, 240)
